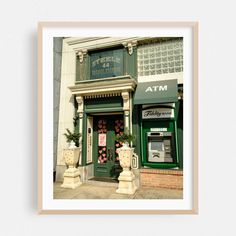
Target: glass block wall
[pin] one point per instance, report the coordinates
(160, 57)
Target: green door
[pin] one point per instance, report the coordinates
(105, 157)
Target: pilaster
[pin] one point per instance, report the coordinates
(126, 109)
(80, 111)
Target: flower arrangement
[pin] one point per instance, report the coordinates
(125, 137)
(72, 137)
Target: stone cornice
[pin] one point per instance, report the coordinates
(73, 40)
(100, 43)
(104, 86)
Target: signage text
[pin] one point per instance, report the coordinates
(157, 113)
(156, 88)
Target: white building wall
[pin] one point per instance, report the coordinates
(66, 108)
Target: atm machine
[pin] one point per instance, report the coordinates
(159, 147)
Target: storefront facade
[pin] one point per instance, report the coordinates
(109, 85)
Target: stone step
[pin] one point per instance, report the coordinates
(102, 183)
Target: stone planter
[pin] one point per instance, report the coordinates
(72, 174)
(126, 178)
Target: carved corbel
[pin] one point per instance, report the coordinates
(81, 54)
(125, 96)
(130, 46)
(80, 101)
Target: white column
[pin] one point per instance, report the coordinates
(66, 107)
(80, 111)
(126, 109)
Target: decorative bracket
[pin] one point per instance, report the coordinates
(130, 46)
(80, 102)
(81, 54)
(125, 96)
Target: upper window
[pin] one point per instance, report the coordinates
(105, 64)
(160, 57)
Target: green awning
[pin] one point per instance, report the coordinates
(156, 92)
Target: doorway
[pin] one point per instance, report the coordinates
(105, 156)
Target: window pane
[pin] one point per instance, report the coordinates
(160, 57)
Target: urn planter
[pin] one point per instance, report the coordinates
(72, 174)
(127, 177)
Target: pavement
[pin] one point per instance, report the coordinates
(103, 190)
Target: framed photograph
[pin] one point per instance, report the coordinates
(118, 117)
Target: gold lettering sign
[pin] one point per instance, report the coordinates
(106, 64)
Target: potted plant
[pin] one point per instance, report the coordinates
(125, 138)
(71, 156)
(72, 138)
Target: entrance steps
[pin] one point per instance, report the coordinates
(105, 182)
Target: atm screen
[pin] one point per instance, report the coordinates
(157, 145)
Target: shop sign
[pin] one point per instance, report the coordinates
(158, 113)
(156, 88)
(154, 92)
(106, 64)
(102, 140)
(158, 129)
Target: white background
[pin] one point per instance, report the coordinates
(217, 127)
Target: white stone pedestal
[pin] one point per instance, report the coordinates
(126, 178)
(126, 183)
(71, 178)
(72, 174)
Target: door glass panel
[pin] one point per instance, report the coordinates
(106, 158)
(119, 129)
(102, 131)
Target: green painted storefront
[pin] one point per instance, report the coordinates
(114, 63)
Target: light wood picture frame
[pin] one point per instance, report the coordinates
(46, 32)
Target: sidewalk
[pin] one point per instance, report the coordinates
(92, 190)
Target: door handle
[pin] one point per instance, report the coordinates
(110, 154)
